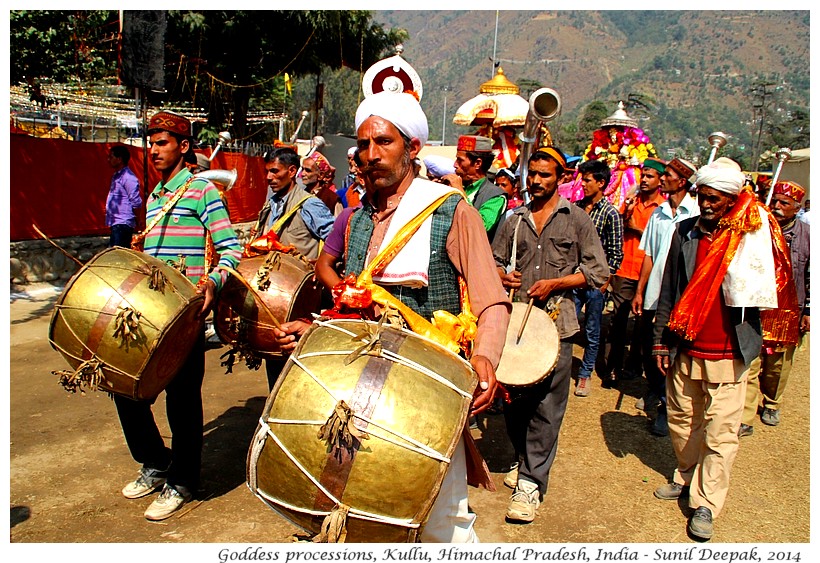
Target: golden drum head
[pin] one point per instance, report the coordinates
(109, 315)
(408, 394)
(277, 286)
(534, 356)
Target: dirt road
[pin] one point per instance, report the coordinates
(69, 462)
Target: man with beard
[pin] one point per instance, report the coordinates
(424, 275)
(771, 377)
(558, 250)
(317, 175)
(720, 270)
(657, 236)
(635, 213)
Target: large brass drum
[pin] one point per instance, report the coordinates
(409, 394)
(112, 290)
(277, 286)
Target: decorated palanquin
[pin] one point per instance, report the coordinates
(623, 146)
(497, 111)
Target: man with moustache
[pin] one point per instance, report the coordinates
(655, 241)
(635, 213)
(181, 212)
(295, 216)
(558, 250)
(391, 128)
(720, 270)
(770, 373)
(474, 157)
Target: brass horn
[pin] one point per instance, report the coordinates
(717, 140)
(225, 178)
(545, 105)
(783, 154)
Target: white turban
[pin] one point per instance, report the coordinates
(723, 174)
(402, 110)
(438, 165)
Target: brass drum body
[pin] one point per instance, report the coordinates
(534, 357)
(243, 311)
(115, 281)
(412, 399)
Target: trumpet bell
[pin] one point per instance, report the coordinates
(718, 139)
(545, 104)
(225, 178)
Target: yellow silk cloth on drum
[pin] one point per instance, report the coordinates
(454, 332)
(689, 314)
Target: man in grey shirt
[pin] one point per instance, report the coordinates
(557, 249)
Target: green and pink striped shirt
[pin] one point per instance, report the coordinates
(183, 229)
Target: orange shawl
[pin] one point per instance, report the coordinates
(690, 312)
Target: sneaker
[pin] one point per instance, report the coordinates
(149, 481)
(169, 501)
(582, 389)
(700, 524)
(524, 502)
(745, 430)
(770, 417)
(671, 491)
(511, 478)
(660, 427)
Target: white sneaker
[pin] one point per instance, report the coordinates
(169, 501)
(511, 478)
(524, 502)
(149, 481)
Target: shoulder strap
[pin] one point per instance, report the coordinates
(286, 216)
(137, 241)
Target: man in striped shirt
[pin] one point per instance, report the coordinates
(179, 237)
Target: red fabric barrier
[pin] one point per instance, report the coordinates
(61, 186)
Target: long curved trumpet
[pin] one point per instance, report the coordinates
(545, 105)
(225, 178)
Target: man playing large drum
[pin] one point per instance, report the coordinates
(181, 211)
(391, 129)
(557, 249)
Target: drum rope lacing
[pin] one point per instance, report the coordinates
(265, 429)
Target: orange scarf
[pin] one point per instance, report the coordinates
(781, 326)
(690, 312)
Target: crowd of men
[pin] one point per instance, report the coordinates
(715, 284)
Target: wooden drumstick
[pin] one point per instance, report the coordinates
(524, 321)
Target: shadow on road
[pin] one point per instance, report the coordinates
(19, 514)
(626, 434)
(225, 446)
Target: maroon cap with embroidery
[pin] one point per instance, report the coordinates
(171, 122)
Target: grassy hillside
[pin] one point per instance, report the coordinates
(698, 68)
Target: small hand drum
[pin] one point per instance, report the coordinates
(535, 355)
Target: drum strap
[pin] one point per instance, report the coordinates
(454, 332)
(138, 241)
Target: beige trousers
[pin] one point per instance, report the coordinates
(768, 375)
(704, 419)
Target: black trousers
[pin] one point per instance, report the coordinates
(273, 368)
(534, 418)
(121, 236)
(623, 290)
(183, 405)
(654, 378)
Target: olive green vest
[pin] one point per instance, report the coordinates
(442, 291)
